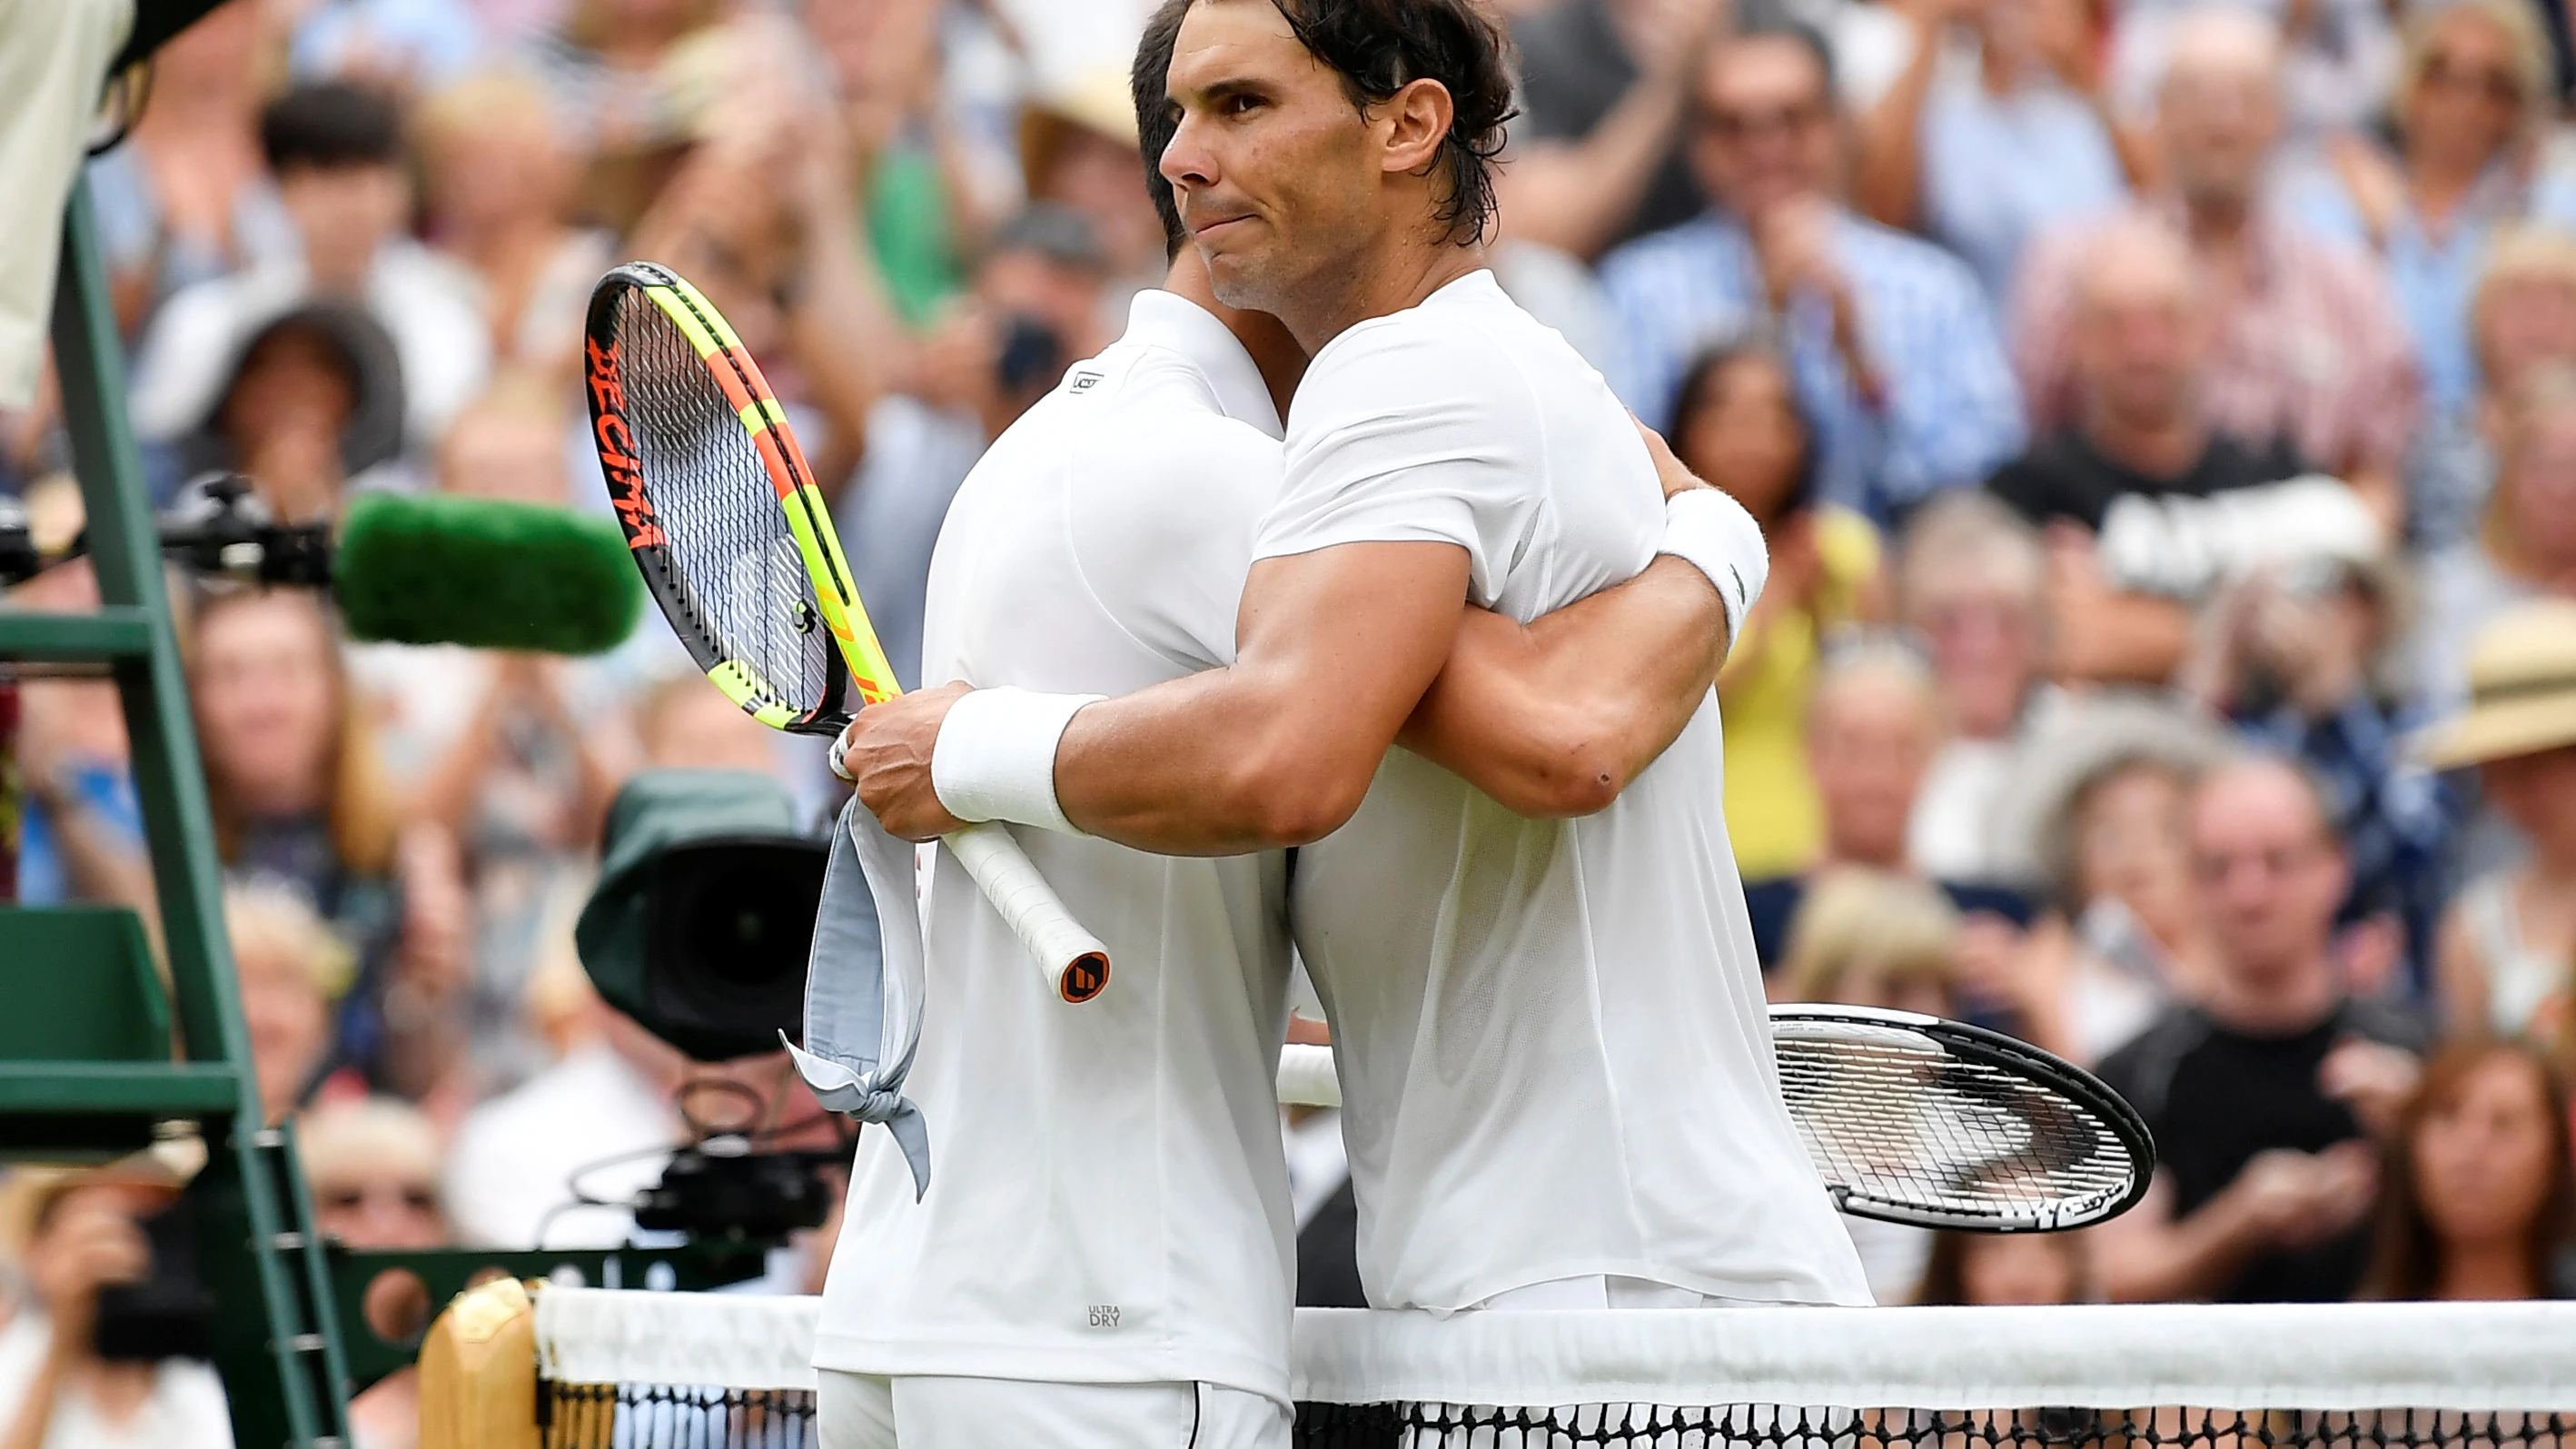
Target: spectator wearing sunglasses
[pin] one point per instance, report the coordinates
(1890, 338)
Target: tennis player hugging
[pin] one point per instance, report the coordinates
(1418, 681)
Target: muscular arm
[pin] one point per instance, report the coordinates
(1335, 649)
(1555, 717)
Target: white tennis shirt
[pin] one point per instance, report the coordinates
(1553, 1047)
(1107, 1200)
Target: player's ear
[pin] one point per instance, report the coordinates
(1416, 120)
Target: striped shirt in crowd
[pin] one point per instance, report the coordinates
(2309, 347)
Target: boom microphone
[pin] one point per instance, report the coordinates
(480, 572)
(484, 573)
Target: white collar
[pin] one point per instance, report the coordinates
(1165, 319)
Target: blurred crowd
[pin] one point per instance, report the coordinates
(2162, 414)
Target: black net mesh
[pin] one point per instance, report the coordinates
(1762, 1426)
(604, 1416)
(1904, 1129)
(666, 1416)
(737, 577)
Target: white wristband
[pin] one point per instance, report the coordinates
(995, 759)
(1710, 531)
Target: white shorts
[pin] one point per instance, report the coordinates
(861, 1411)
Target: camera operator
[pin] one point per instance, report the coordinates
(78, 1233)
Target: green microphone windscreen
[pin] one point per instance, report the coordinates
(484, 573)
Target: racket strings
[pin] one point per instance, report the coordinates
(730, 541)
(1903, 1125)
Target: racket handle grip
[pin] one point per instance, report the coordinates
(1075, 963)
(1306, 1077)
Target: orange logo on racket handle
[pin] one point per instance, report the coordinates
(616, 443)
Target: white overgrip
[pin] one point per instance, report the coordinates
(1306, 1077)
(1074, 961)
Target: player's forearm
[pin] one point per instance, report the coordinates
(1336, 649)
(1210, 765)
(1556, 717)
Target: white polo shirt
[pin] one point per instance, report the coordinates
(1107, 1199)
(1554, 1051)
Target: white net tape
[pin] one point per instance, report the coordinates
(2430, 1356)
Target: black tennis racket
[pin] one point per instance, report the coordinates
(1939, 1124)
(1912, 1119)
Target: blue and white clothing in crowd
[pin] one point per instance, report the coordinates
(1950, 412)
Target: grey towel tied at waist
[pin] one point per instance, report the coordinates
(863, 986)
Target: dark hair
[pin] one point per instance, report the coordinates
(1379, 47)
(1945, 1270)
(2407, 1258)
(330, 126)
(1692, 397)
(1148, 84)
(1770, 21)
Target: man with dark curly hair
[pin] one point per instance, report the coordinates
(1551, 1034)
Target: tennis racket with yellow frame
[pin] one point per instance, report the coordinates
(736, 546)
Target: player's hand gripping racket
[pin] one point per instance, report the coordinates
(1912, 1119)
(737, 547)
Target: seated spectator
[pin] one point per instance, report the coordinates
(2481, 1195)
(685, 723)
(2522, 317)
(371, 1165)
(2099, 810)
(2307, 345)
(2261, 1092)
(299, 794)
(1605, 87)
(76, 1233)
(607, 64)
(187, 198)
(1866, 937)
(1892, 343)
(929, 204)
(2307, 664)
(513, 755)
(1971, 583)
(2526, 547)
(310, 408)
(2508, 944)
(1987, 1269)
(500, 190)
(1872, 727)
(2138, 440)
(1996, 129)
(759, 213)
(290, 969)
(1740, 427)
(2339, 58)
(1078, 151)
(338, 156)
(2472, 96)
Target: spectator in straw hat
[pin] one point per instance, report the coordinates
(2507, 944)
(1078, 150)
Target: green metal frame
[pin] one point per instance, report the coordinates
(278, 1346)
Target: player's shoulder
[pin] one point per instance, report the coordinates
(1475, 350)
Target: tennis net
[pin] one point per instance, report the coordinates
(645, 1371)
